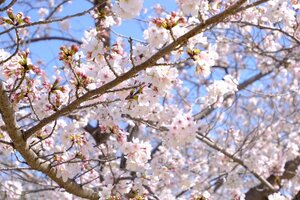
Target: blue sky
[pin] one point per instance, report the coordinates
(47, 51)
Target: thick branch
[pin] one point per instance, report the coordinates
(8, 6)
(297, 197)
(264, 182)
(51, 38)
(260, 193)
(253, 4)
(148, 63)
(7, 113)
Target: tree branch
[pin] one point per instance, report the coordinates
(259, 193)
(51, 20)
(297, 197)
(8, 6)
(50, 38)
(8, 116)
(148, 63)
(263, 181)
(208, 110)
(16, 50)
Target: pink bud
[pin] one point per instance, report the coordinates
(10, 14)
(2, 20)
(75, 48)
(173, 14)
(27, 20)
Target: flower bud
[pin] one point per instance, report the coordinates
(26, 20)
(10, 13)
(75, 48)
(19, 15)
(2, 21)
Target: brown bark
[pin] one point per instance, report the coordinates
(133, 71)
(261, 193)
(297, 197)
(102, 10)
(31, 158)
(19, 138)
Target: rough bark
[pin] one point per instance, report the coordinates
(19, 138)
(133, 71)
(261, 193)
(31, 158)
(297, 197)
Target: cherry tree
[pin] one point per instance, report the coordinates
(202, 104)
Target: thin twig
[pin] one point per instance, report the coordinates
(110, 67)
(213, 145)
(17, 48)
(8, 6)
(52, 20)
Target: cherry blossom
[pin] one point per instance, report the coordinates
(201, 103)
(182, 130)
(127, 9)
(137, 153)
(219, 88)
(276, 196)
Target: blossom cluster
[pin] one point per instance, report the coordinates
(127, 9)
(182, 130)
(220, 88)
(138, 154)
(138, 136)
